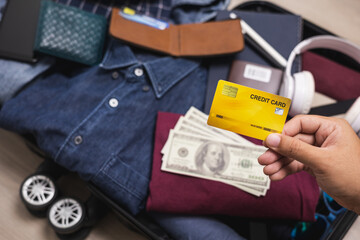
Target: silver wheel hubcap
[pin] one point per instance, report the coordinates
(38, 190)
(65, 213)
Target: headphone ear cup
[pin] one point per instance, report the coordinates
(304, 90)
(353, 116)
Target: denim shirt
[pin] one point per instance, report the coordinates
(99, 121)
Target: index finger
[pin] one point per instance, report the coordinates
(308, 124)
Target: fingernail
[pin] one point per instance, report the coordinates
(273, 140)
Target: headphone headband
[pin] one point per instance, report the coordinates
(324, 41)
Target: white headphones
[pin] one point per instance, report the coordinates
(300, 87)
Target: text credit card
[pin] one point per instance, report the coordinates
(248, 111)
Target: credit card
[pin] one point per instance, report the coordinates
(131, 15)
(247, 111)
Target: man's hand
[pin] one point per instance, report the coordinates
(327, 148)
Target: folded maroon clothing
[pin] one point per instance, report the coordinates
(331, 78)
(295, 197)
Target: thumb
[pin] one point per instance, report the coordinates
(294, 148)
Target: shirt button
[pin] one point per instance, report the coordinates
(233, 15)
(138, 72)
(113, 102)
(115, 75)
(145, 88)
(78, 139)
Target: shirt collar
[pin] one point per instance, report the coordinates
(164, 71)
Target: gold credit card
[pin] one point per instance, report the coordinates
(248, 111)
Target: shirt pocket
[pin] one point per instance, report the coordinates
(123, 184)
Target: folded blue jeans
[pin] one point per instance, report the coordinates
(198, 227)
(15, 75)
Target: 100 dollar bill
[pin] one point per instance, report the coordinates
(221, 161)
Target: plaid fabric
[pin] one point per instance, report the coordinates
(159, 9)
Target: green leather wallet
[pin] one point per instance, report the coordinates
(70, 33)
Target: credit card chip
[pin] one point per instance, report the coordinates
(229, 91)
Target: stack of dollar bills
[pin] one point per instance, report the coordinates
(196, 149)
